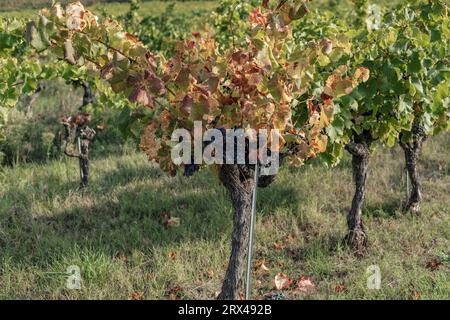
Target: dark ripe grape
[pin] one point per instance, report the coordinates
(418, 130)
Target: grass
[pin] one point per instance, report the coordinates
(116, 236)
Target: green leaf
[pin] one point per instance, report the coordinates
(414, 66)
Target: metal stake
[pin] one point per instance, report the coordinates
(79, 159)
(250, 239)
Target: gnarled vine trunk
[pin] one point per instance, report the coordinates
(360, 151)
(87, 135)
(76, 132)
(412, 151)
(240, 183)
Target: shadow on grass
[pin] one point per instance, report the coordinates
(276, 196)
(388, 209)
(122, 212)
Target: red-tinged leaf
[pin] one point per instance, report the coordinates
(182, 81)
(305, 285)
(434, 264)
(156, 85)
(210, 103)
(151, 145)
(326, 46)
(136, 296)
(172, 255)
(213, 83)
(324, 97)
(415, 295)
(151, 59)
(282, 281)
(340, 288)
(361, 74)
(338, 87)
(288, 239)
(74, 16)
(134, 79)
(278, 246)
(186, 105)
(132, 38)
(141, 96)
(173, 67)
(257, 18)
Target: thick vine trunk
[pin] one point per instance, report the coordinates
(412, 151)
(84, 167)
(357, 236)
(239, 181)
(87, 135)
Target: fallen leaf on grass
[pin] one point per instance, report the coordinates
(285, 241)
(209, 273)
(288, 239)
(175, 293)
(340, 288)
(434, 264)
(173, 222)
(282, 281)
(278, 246)
(136, 296)
(304, 285)
(260, 266)
(168, 220)
(172, 255)
(415, 295)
